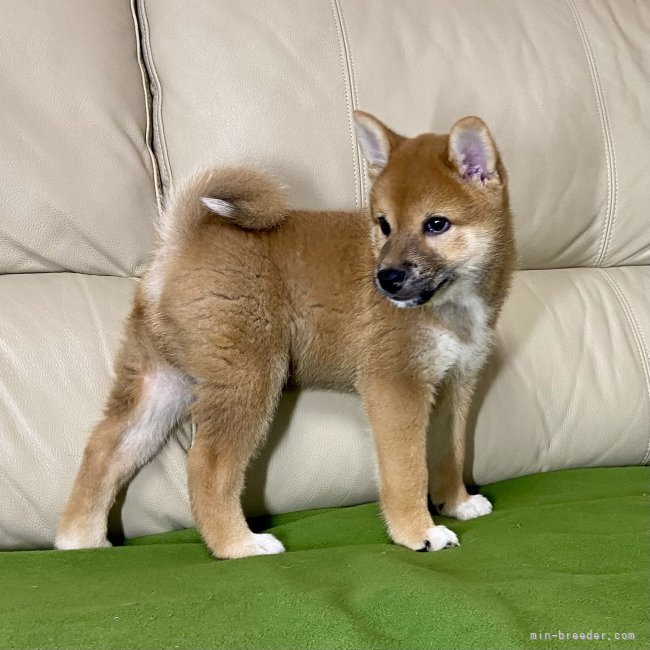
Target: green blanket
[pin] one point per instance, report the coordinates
(564, 553)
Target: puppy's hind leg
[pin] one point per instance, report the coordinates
(231, 419)
(142, 410)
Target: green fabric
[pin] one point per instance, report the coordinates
(563, 551)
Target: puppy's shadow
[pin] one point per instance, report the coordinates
(115, 526)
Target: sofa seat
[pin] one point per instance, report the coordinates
(563, 552)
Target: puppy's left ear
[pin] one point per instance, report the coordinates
(472, 152)
(376, 141)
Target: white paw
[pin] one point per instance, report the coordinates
(71, 542)
(267, 544)
(439, 537)
(253, 544)
(476, 506)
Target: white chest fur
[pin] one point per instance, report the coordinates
(460, 340)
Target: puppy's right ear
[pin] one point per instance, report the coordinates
(376, 141)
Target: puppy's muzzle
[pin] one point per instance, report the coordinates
(408, 288)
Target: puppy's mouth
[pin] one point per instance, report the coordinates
(422, 296)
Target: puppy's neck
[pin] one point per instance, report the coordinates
(462, 309)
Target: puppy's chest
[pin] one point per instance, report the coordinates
(458, 340)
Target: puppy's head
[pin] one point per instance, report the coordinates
(439, 208)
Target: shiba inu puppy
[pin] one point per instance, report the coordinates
(398, 303)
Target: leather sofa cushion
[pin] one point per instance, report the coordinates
(77, 190)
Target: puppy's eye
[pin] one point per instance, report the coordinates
(436, 225)
(384, 225)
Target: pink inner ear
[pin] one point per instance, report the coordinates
(473, 156)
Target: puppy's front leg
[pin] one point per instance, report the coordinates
(398, 409)
(447, 487)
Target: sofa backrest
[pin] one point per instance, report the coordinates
(541, 74)
(77, 190)
(275, 87)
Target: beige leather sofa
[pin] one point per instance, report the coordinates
(106, 104)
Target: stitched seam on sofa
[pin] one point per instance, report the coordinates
(639, 339)
(355, 95)
(146, 91)
(349, 97)
(610, 158)
(156, 92)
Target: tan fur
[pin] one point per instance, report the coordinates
(231, 305)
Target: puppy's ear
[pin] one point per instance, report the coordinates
(376, 141)
(472, 152)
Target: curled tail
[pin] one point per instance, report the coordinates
(236, 195)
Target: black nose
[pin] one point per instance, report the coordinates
(391, 280)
